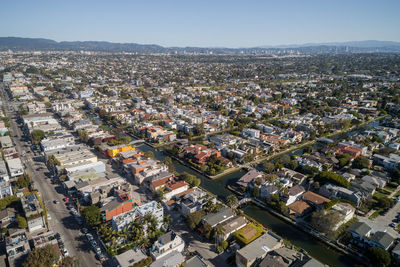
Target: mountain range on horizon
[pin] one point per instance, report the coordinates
(42, 44)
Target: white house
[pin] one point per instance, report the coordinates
(166, 244)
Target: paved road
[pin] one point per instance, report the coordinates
(385, 220)
(61, 221)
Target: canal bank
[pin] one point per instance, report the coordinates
(219, 187)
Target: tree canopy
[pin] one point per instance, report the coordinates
(232, 201)
(360, 162)
(91, 215)
(37, 135)
(42, 257)
(194, 219)
(378, 256)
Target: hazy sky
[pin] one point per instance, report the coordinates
(203, 23)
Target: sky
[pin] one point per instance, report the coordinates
(203, 23)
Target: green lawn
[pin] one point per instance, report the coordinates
(379, 195)
(376, 214)
(240, 234)
(389, 189)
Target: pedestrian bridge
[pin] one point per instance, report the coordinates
(140, 141)
(244, 200)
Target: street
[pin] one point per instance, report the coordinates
(61, 221)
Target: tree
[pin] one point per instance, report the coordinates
(91, 215)
(70, 262)
(207, 229)
(378, 256)
(324, 221)
(194, 219)
(327, 176)
(385, 202)
(22, 223)
(293, 164)
(269, 167)
(284, 159)
(37, 135)
(256, 192)
(149, 154)
(190, 179)
(224, 244)
(231, 201)
(308, 149)
(160, 194)
(344, 159)
(23, 181)
(361, 162)
(42, 257)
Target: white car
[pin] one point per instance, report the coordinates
(65, 252)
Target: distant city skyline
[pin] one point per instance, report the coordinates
(204, 24)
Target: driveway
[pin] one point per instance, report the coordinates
(196, 244)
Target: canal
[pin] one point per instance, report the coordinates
(300, 239)
(218, 187)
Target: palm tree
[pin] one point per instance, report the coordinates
(220, 231)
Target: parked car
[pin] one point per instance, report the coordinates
(66, 199)
(84, 230)
(97, 249)
(65, 252)
(93, 243)
(393, 225)
(89, 237)
(56, 201)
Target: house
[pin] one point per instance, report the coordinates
(346, 210)
(230, 226)
(196, 261)
(293, 194)
(43, 239)
(267, 190)
(213, 219)
(315, 200)
(396, 253)
(390, 163)
(115, 150)
(193, 201)
(332, 191)
(366, 233)
(15, 167)
(6, 142)
(154, 208)
(256, 250)
(374, 180)
(5, 189)
(36, 224)
(31, 205)
(173, 259)
(252, 133)
(115, 207)
(299, 208)
(129, 257)
(174, 188)
(3, 171)
(7, 216)
(249, 177)
(166, 244)
(120, 221)
(17, 247)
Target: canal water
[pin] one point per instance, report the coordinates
(300, 239)
(311, 245)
